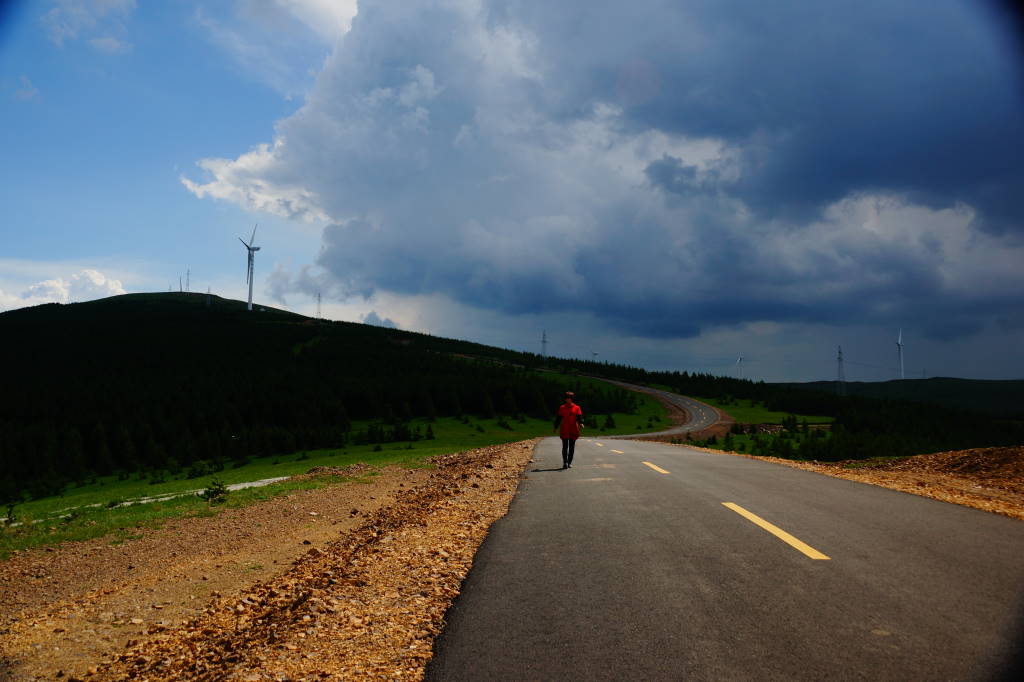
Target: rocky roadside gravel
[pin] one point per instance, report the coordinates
(350, 581)
(990, 479)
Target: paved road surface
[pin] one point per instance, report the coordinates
(614, 570)
(699, 415)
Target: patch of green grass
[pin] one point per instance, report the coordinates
(122, 524)
(95, 514)
(747, 411)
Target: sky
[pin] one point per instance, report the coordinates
(673, 184)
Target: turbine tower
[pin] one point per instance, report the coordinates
(739, 367)
(840, 374)
(544, 345)
(252, 256)
(899, 351)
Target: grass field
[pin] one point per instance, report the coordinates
(753, 412)
(90, 511)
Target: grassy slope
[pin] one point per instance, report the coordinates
(753, 412)
(451, 435)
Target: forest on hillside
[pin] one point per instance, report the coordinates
(864, 426)
(178, 381)
(165, 382)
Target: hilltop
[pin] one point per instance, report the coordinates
(170, 380)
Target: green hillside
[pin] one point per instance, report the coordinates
(186, 382)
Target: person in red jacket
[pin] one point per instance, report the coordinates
(570, 419)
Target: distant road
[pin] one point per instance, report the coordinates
(647, 561)
(700, 415)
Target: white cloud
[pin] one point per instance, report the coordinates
(459, 153)
(328, 19)
(110, 45)
(373, 318)
(276, 41)
(27, 90)
(69, 18)
(249, 181)
(85, 285)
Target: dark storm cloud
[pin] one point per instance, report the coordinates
(666, 167)
(826, 98)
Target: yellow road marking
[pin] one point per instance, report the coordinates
(600, 445)
(656, 468)
(619, 451)
(776, 531)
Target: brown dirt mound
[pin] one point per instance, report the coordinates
(1002, 465)
(990, 479)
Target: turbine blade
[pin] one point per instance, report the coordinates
(243, 242)
(252, 239)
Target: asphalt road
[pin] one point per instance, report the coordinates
(699, 415)
(619, 570)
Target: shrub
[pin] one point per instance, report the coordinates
(216, 492)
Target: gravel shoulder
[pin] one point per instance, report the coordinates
(348, 580)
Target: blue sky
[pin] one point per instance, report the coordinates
(670, 184)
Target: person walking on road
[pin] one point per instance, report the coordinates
(570, 419)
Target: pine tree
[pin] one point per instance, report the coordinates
(103, 460)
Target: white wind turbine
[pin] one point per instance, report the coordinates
(899, 351)
(252, 256)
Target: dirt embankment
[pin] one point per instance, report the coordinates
(990, 479)
(342, 582)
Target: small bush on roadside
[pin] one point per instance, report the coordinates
(216, 492)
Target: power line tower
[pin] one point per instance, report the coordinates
(840, 374)
(544, 345)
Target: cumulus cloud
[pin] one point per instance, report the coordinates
(666, 168)
(85, 285)
(373, 318)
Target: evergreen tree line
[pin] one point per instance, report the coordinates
(864, 427)
(151, 390)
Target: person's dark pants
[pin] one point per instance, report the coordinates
(568, 449)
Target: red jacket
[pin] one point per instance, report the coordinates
(571, 415)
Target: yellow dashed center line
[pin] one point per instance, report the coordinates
(619, 451)
(656, 468)
(776, 531)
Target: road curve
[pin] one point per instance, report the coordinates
(647, 561)
(699, 415)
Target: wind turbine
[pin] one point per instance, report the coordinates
(899, 351)
(252, 255)
(739, 367)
